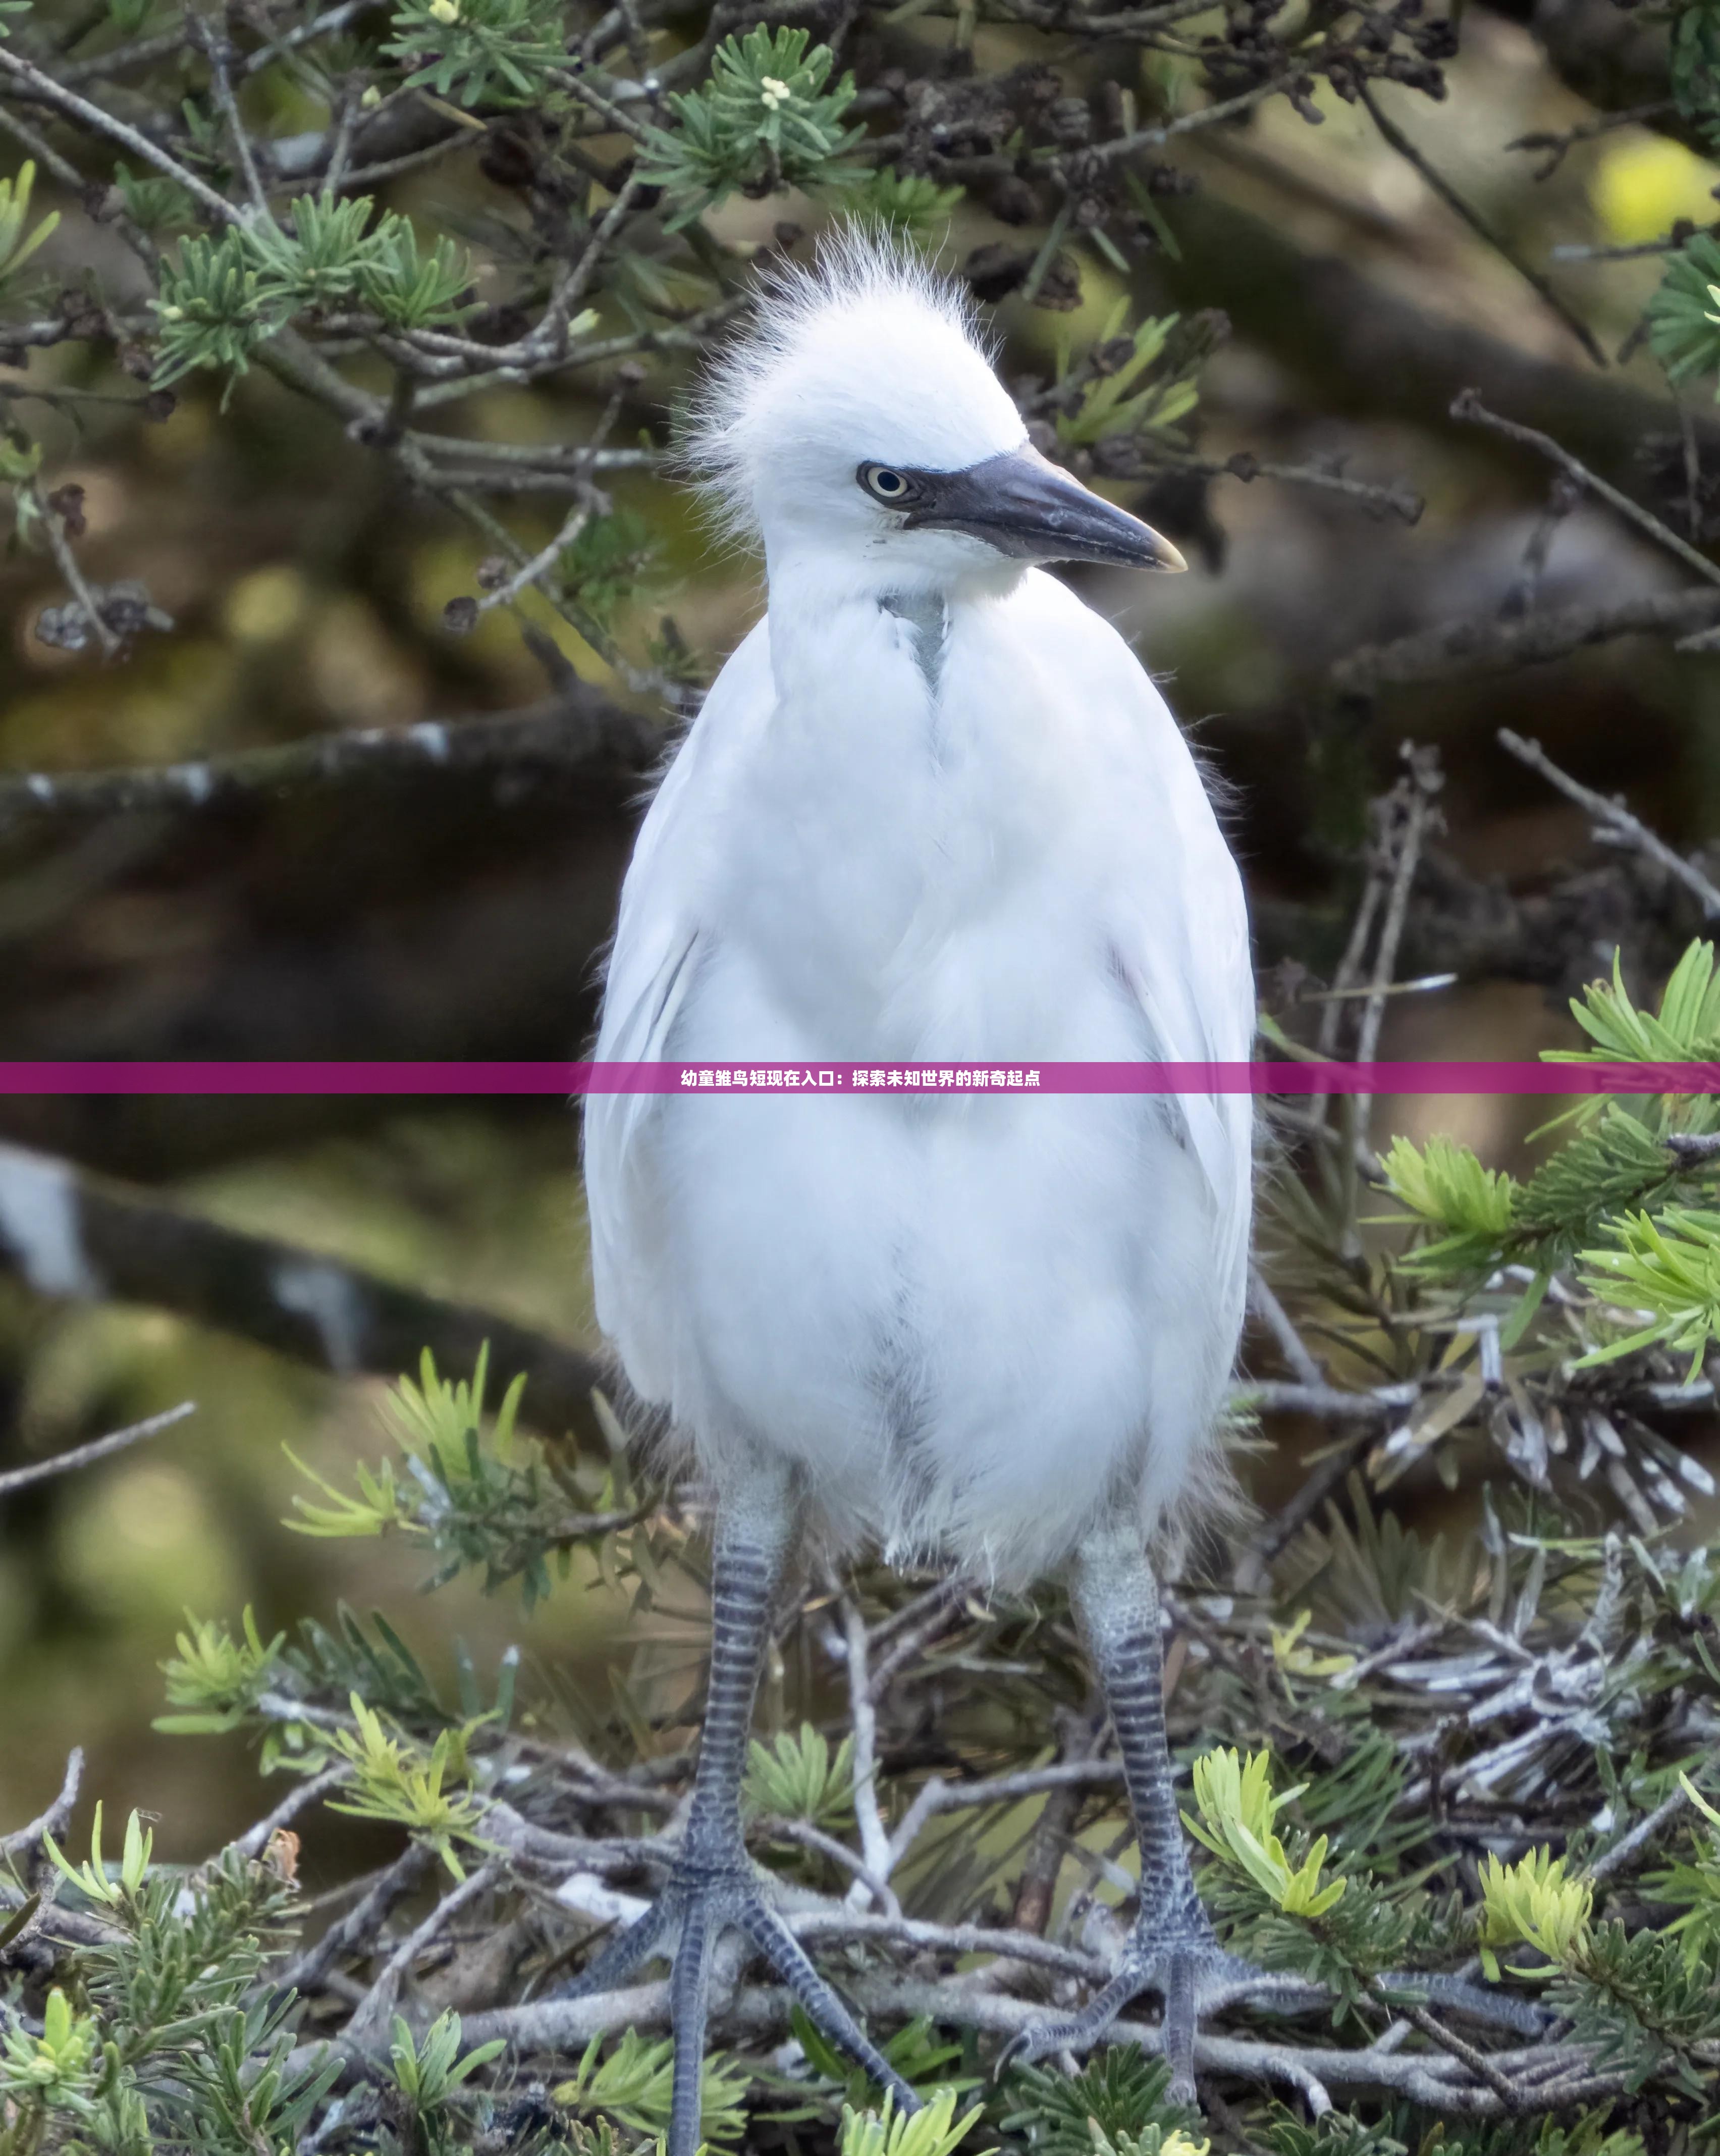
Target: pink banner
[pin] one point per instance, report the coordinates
(420, 1080)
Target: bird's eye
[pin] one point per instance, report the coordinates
(884, 484)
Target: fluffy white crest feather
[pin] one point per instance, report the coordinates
(870, 354)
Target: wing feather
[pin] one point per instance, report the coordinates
(653, 963)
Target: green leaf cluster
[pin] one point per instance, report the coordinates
(161, 2035)
(153, 200)
(396, 1779)
(427, 2071)
(17, 242)
(293, 1693)
(768, 117)
(1535, 1901)
(472, 1490)
(480, 52)
(1443, 1184)
(1685, 1030)
(1135, 389)
(912, 204)
(630, 2085)
(217, 1678)
(1694, 62)
(1120, 2100)
(1608, 1203)
(935, 2131)
(1645, 2000)
(1237, 1806)
(221, 299)
(610, 563)
(796, 1776)
(93, 1880)
(1667, 1271)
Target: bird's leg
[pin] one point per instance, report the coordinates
(1172, 1948)
(712, 1885)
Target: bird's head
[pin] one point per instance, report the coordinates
(861, 420)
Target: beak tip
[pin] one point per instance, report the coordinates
(1169, 559)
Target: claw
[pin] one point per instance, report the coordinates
(1181, 2011)
(623, 1953)
(789, 1961)
(704, 1900)
(1181, 1969)
(688, 2004)
(1078, 2032)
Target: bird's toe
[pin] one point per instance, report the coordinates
(700, 1900)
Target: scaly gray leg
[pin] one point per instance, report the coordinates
(712, 1885)
(1172, 1947)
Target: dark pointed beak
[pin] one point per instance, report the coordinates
(1023, 504)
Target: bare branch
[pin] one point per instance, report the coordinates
(548, 739)
(370, 2016)
(1614, 822)
(1400, 141)
(1468, 406)
(98, 1448)
(25, 1840)
(69, 1233)
(1455, 651)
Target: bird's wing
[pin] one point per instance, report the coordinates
(1189, 970)
(1176, 915)
(655, 954)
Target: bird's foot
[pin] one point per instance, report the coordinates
(705, 1895)
(1186, 1965)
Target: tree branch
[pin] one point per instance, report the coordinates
(98, 1448)
(548, 739)
(69, 1232)
(1614, 822)
(1455, 651)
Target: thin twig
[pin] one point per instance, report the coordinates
(1399, 141)
(875, 1842)
(98, 1448)
(1614, 820)
(24, 1840)
(130, 1246)
(373, 2011)
(1557, 146)
(1468, 406)
(66, 562)
(209, 41)
(529, 572)
(1272, 1313)
(1329, 1402)
(1479, 2063)
(256, 1839)
(45, 90)
(361, 1922)
(1455, 651)
(1646, 1831)
(335, 179)
(912, 1640)
(548, 739)
(805, 1835)
(1420, 787)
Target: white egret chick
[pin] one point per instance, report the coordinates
(932, 810)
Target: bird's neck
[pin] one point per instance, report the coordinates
(818, 598)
